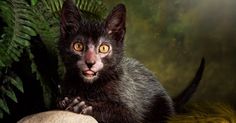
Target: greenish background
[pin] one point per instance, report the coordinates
(171, 36)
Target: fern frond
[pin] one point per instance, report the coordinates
(22, 22)
(9, 93)
(212, 113)
(47, 27)
(16, 82)
(1, 114)
(9, 82)
(94, 9)
(3, 105)
(17, 33)
(44, 84)
(18, 17)
(33, 2)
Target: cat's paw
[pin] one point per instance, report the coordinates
(63, 103)
(75, 105)
(82, 108)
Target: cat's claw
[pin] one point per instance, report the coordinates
(62, 104)
(75, 105)
(82, 108)
(88, 110)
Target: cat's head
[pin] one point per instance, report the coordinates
(91, 49)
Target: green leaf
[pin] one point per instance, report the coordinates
(28, 30)
(22, 41)
(33, 2)
(1, 64)
(47, 92)
(10, 93)
(23, 35)
(3, 105)
(1, 114)
(17, 83)
(18, 16)
(13, 56)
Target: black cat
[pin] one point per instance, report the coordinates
(99, 80)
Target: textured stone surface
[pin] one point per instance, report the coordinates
(57, 117)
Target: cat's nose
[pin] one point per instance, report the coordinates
(90, 58)
(90, 63)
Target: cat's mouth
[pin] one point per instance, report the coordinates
(89, 74)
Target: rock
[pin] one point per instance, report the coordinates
(57, 117)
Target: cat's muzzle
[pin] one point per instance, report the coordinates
(89, 74)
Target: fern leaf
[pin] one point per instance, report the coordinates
(20, 27)
(3, 106)
(10, 93)
(47, 94)
(33, 2)
(9, 80)
(16, 82)
(1, 114)
(47, 26)
(29, 31)
(1, 64)
(94, 8)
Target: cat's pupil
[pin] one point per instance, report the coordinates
(104, 48)
(78, 46)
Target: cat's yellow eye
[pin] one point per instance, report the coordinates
(77, 46)
(104, 48)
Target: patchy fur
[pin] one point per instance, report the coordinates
(123, 91)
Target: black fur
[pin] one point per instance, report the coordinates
(125, 91)
(186, 94)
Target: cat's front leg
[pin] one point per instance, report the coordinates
(103, 112)
(75, 105)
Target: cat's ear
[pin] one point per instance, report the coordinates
(69, 18)
(115, 22)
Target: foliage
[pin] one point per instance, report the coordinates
(29, 28)
(206, 113)
(8, 81)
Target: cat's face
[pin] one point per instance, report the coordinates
(92, 56)
(91, 49)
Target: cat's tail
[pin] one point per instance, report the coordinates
(187, 93)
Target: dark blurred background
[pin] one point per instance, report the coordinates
(171, 36)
